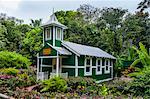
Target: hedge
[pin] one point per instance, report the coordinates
(13, 59)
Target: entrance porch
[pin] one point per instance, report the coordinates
(56, 67)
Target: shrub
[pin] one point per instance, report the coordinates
(9, 71)
(130, 70)
(85, 86)
(104, 90)
(55, 84)
(118, 87)
(25, 80)
(143, 55)
(79, 81)
(13, 59)
(140, 86)
(18, 81)
(6, 76)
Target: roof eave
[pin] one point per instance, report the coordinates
(57, 50)
(100, 56)
(52, 24)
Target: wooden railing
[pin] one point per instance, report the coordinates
(44, 75)
(63, 75)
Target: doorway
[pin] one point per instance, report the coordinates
(54, 61)
(54, 65)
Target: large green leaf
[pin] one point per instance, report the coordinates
(143, 56)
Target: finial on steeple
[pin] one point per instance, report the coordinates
(53, 11)
(53, 17)
(53, 21)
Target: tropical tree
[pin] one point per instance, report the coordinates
(13, 35)
(113, 18)
(3, 40)
(135, 28)
(92, 26)
(36, 23)
(144, 4)
(90, 14)
(143, 56)
(32, 43)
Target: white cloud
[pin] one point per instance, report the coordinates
(9, 4)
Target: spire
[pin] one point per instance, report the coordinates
(53, 18)
(53, 11)
(53, 21)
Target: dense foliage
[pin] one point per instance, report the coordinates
(32, 43)
(55, 84)
(143, 56)
(22, 38)
(140, 86)
(79, 81)
(73, 87)
(13, 59)
(114, 30)
(84, 85)
(11, 79)
(9, 71)
(111, 29)
(144, 4)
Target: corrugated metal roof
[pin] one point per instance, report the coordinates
(53, 21)
(62, 51)
(87, 50)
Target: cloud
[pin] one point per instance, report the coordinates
(9, 4)
(35, 9)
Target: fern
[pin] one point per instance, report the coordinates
(135, 62)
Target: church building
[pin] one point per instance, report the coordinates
(65, 59)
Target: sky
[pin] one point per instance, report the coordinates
(36, 9)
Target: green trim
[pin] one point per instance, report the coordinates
(94, 61)
(71, 71)
(47, 69)
(53, 51)
(100, 77)
(49, 41)
(58, 43)
(47, 61)
(81, 72)
(81, 60)
(70, 60)
(94, 76)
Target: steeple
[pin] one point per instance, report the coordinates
(53, 18)
(53, 31)
(53, 21)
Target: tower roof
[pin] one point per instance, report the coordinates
(53, 22)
